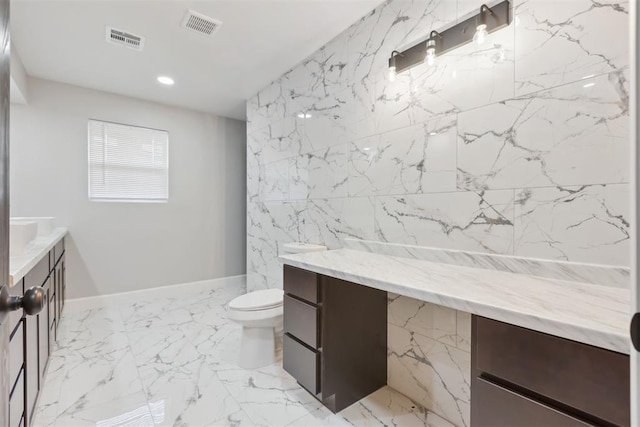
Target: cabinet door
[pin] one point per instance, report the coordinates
(59, 290)
(16, 403)
(16, 353)
(63, 282)
(43, 333)
(52, 310)
(32, 372)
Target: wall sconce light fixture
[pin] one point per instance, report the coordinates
(392, 65)
(481, 30)
(475, 28)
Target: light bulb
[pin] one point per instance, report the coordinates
(481, 34)
(392, 74)
(430, 57)
(392, 66)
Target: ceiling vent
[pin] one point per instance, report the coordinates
(124, 38)
(199, 23)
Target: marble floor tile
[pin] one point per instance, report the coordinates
(385, 407)
(170, 360)
(47, 409)
(94, 381)
(131, 409)
(388, 407)
(269, 395)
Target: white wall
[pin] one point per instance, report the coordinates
(19, 87)
(115, 247)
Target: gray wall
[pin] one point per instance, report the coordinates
(116, 247)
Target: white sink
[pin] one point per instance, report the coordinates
(21, 233)
(45, 223)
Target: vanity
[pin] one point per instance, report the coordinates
(335, 337)
(543, 351)
(32, 337)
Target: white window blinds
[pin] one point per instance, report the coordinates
(128, 163)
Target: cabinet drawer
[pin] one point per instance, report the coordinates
(16, 403)
(493, 406)
(302, 320)
(16, 354)
(301, 283)
(38, 274)
(302, 363)
(589, 379)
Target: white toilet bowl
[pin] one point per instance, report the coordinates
(260, 314)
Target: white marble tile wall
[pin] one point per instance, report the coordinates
(474, 153)
(429, 356)
(516, 147)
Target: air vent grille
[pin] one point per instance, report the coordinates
(124, 38)
(199, 23)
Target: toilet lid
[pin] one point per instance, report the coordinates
(258, 300)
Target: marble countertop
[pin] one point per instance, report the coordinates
(592, 314)
(19, 266)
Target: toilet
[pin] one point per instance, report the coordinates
(260, 314)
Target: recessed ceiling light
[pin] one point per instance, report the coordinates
(165, 80)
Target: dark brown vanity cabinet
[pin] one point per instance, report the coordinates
(335, 337)
(522, 377)
(32, 337)
(335, 346)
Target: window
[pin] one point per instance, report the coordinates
(128, 163)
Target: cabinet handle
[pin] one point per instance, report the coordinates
(32, 302)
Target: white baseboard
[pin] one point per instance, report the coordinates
(114, 300)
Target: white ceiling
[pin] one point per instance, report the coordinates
(64, 40)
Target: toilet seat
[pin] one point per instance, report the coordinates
(258, 300)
